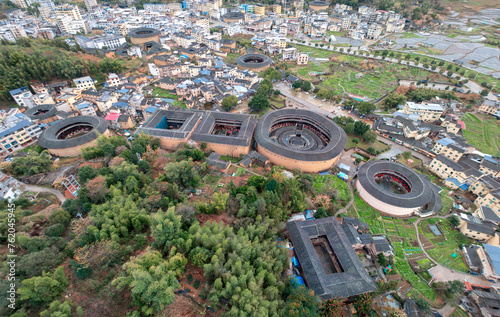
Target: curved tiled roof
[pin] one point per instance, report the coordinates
(319, 3)
(334, 148)
(49, 140)
(266, 61)
(143, 33)
(421, 192)
(234, 15)
(50, 108)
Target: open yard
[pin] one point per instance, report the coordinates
(162, 93)
(483, 132)
(377, 145)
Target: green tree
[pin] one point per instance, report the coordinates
(306, 85)
(86, 173)
(152, 281)
(229, 102)
(32, 164)
(302, 302)
(165, 227)
(258, 102)
(407, 155)
(365, 107)
(60, 216)
(369, 136)
(182, 173)
(393, 100)
(297, 84)
(61, 309)
(34, 263)
(360, 128)
(363, 304)
(45, 288)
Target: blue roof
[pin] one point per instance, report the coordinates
(168, 100)
(454, 181)
(324, 173)
(446, 141)
(489, 159)
(123, 91)
(19, 125)
(84, 105)
(43, 125)
(151, 109)
(120, 104)
(464, 187)
(18, 90)
(295, 261)
(205, 72)
(494, 255)
(21, 116)
(344, 167)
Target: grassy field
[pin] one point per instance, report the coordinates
(162, 93)
(321, 184)
(377, 145)
(483, 132)
(409, 35)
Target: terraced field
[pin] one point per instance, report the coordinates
(483, 132)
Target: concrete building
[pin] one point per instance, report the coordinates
(90, 5)
(426, 112)
(302, 59)
(22, 96)
(84, 83)
(70, 10)
(16, 132)
(260, 9)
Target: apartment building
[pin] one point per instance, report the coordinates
(450, 149)
(345, 23)
(259, 9)
(490, 107)
(84, 82)
(491, 200)
(16, 132)
(426, 112)
(302, 59)
(90, 4)
(289, 54)
(42, 99)
(22, 96)
(70, 10)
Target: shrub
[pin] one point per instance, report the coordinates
(56, 230)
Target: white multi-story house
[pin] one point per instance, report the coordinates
(84, 82)
(22, 96)
(16, 132)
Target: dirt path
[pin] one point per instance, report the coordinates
(34, 188)
(442, 273)
(351, 190)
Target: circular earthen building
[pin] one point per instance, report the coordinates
(69, 136)
(297, 138)
(397, 190)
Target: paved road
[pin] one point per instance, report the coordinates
(34, 188)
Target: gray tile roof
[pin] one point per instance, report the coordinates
(190, 117)
(244, 137)
(421, 190)
(334, 148)
(353, 281)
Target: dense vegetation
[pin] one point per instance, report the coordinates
(28, 60)
(138, 234)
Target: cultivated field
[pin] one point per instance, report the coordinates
(483, 132)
